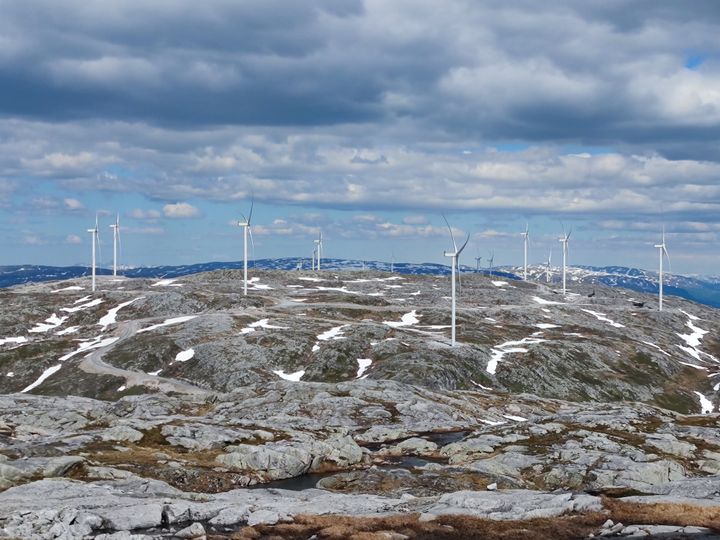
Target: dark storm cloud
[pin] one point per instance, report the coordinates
(592, 72)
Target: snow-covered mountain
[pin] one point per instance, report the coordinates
(705, 290)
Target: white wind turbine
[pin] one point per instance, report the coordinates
(548, 271)
(663, 253)
(491, 259)
(564, 241)
(245, 224)
(116, 241)
(526, 236)
(95, 239)
(454, 262)
(318, 249)
(477, 263)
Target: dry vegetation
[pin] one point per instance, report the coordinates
(663, 514)
(444, 528)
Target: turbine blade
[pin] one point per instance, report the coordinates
(252, 204)
(463, 246)
(452, 236)
(667, 256)
(252, 245)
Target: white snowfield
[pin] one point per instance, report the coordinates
(601, 317)
(693, 340)
(500, 283)
(295, 377)
(68, 330)
(406, 320)
(255, 285)
(546, 326)
(168, 322)
(313, 279)
(50, 323)
(111, 316)
(93, 303)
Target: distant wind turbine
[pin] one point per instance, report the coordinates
(245, 224)
(663, 253)
(491, 259)
(95, 239)
(318, 249)
(392, 261)
(477, 263)
(548, 268)
(564, 241)
(116, 241)
(526, 236)
(454, 255)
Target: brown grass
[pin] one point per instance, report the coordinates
(408, 525)
(663, 514)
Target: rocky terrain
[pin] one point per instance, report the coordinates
(177, 408)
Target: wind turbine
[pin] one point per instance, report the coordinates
(547, 267)
(477, 263)
(245, 224)
(525, 236)
(564, 241)
(454, 262)
(491, 259)
(116, 241)
(95, 239)
(318, 249)
(663, 253)
(392, 261)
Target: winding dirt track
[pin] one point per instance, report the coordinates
(94, 363)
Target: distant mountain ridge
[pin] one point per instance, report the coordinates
(704, 290)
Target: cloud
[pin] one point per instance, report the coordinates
(73, 204)
(180, 210)
(140, 214)
(72, 239)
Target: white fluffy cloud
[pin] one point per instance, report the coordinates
(180, 210)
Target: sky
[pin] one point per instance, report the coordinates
(368, 120)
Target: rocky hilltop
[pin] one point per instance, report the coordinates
(178, 408)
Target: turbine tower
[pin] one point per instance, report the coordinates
(116, 241)
(663, 253)
(95, 238)
(477, 263)
(245, 224)
(491, 259)
(525, 236)
(564, 241)
(453, 263)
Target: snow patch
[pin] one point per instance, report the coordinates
(49, 371)
(546, 326)
(406, 320)
(166, 283)
(111, 316)
(499, 283)
(262, 323)
(334, 333)
(68, 330)
(96, 343)
(544, 302)
(94, 303)
(515, 418)
(184, 356)
(705, 404)
(601, 317)
(50, 323)
(509, 347)
(363, 365)
(16, 340)
(71, 288)
(168, 322)
(295, 377)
